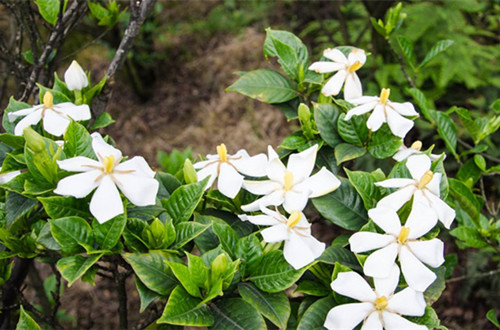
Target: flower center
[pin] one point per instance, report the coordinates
(417, 145)
(403, 235)
(384, 95)
(381, 303)
(48, 100)
(222, 152)
(355, 66)
(109, 163)
(288, 180)
(426, 178)
(294, 219)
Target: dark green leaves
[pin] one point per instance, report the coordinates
(181, 204)
(26, 322)
(59, 206)
(108, 234)
(72, 234)
(347, 151)
(235, 313)
(383, 143)
(447, 131)
(326, 116)
(72, 268)
(77, 141)
(438, 48)
(183, 309)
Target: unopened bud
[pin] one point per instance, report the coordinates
(75, 77)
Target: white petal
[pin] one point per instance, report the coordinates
(230, 181)
(418, 276)
(78, 164)
(259, 220)
(430, 252)
(366, 241)
(77, 112)
(253, 166)
(319, 184)
(23, 112)
(386, 218)
(300, 251)
(75, 78)
(402, 154)
(202, 164)
(140, 190)
(295, 201)
(381, 262)
(385, 286)
(106, 202)
(347, 316)
(6, 177)
(324, 67)
(359, 110)
(276, 233)
(372, 322)
(365, 99)
(352, 285)
(261, 187)
(376, 119)
(404, 109)
(395, 322)
(102, 149)
(276, 170)
(137, 164)
(444, 212)
(275, 198)
(78, 185)
(418, 165)
(421, 219)
(334, 85)
(398, 124)
(357, 55)
(302, 164)
(398, 198)
(31, 119)
(210, 170)
(407, 302)
(54, 123)
(395, 183)
(352, 88)
(434, 185)
(335, 55)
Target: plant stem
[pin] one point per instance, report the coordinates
(465, 277)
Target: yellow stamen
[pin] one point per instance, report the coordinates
(384, 95)
(109, 163)
(403, 235)
(417, 145)
(426, 178)
(222, 152)
(355, 66)
(294, 219)
(381, 303)
(48, 100)
(288, 180)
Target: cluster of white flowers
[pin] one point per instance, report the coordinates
(290, 186)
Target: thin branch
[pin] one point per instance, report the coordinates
(468, 146)
(401, 64)
(32, 309)
(465, 277)
(56, 295)
(120, 281)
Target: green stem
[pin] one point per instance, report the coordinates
(78, 97)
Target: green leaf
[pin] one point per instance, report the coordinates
(447, 131)
(353, 131)
(312, 288)
(58, 96)
(344, 207)
(407, 49)
(274, 306)
(186, 232)
(49, 9)
(198, 271)
(183, 309)
(181, 204)
(492, 317)
(72, 233)
(264, 85)
(152, 270)
(438, 48)
(465, 198)
(470, 125)
(341, 255)
(104, 120)
(346, 151)
(17, 206)
(326, 116)
(227, 237)
(364, 183)
(13, 106)
(26, 322)
(383, 143)
(235, 313)
(433, 292)
(470, 237)
(60, 207)
(274, 273)
(145, 295)
(77, 141)
(315, 315)
(182, 273)
(14, 141)
(74, 267)
(108, 234)
(422, 102)
(430, 319)
(249, 250)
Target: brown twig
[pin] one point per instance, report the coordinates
(465, 277)
(468, 146)
(32, 309)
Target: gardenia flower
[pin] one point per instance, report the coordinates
(301, 248)
(379, 308)
(292, 185)
(414, 149)
(75, 78)
(226, 167)
(56, 117)
(346, 68)
(401, 241)
(384, 111)
(134, 177)
(423, 187)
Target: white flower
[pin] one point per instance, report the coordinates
(423, 187)
(75, 78)
(293, 185)
(56, 117)
(401, 241)
(379, 308)
(226, 167)
(414, 149)
(301, 248)
(346, 68)
(384, 111)
(6, 177)
(134, 177)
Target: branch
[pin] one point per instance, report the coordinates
(465, 277)
(468, 146)
(32, 309)
(401, 64)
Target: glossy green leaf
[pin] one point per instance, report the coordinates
(347, 151)
(315, 316)
(383, 143)
(72, 233)
(12, 140)
(104, 120)
(13, 106)
(466, 199)
(326, 116)
(249, 250)
(341, 255)
(438, 48)
(146, 295)
(422, 102)
(183, 309)
(353, 131)
(26, 322)
(364, 183)
(49, 9)
(60, 207)
(447, 131)
(181, 204)
(469, 236)
(407, 49)
(492, 317)
(227, 236)
(186, 232)
(235, 313)
(108, 234)
(77, 141)
(74, 267)
(16, 206)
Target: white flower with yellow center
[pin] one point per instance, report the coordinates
(346, 68)
(403, 242)
(226, 167)
(292, 185)
(414, 149)
(301, 248)
(133, 177)
(423, 187)
(75, 78)
(384, 111)
(379, 309)
(55, 117)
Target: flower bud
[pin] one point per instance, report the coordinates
(33, 140)
(75, 77)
